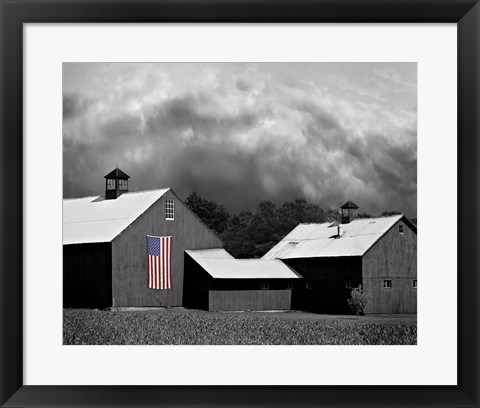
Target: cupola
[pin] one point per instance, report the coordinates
(116, 183)
(349, 212)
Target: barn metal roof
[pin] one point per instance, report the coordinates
(322, 240)
(219, 264)
(94, 219)
(216, 253)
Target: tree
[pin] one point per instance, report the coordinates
(252, 234)
(238, 235)
(213, 214)
(389, 213)
(292, 213)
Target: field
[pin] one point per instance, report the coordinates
(179, 326)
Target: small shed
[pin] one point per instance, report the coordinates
(216, 281)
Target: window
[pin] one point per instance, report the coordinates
(264, 285)
(414, 284)
(110, 184)
(308, 285)
(122, 185)
(169, 209)
(400, 228)
(348, 285)
(290, 285)
(387, 284)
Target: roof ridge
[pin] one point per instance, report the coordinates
(146, 191)
(206, 249)
(126, 193)
(320, 238)
(253, 259)
(356, 219)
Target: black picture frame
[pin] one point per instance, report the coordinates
(465, 13)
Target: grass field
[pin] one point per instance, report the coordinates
(179, 326)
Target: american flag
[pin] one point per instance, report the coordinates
(159, 251)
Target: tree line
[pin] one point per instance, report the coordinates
(252, 234)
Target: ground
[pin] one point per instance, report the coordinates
(182, 326)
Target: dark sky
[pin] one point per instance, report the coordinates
(241, 133)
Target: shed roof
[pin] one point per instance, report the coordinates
(95, 219)
(322, 240)
(216, 253)
(219, 264)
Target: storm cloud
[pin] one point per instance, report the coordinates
(242, 133)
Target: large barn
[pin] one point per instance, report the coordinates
(105, 262)
(378, 253)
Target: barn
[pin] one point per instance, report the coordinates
(378, 253)
(106, 259)
(214, 281)
(105, 262)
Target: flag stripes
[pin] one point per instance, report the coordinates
(159, 250)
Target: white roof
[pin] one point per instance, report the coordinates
(94, 219)
(216, 253)
(322, 240)
(221, 265)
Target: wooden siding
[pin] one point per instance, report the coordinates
(393, 257)
(252, 284)
(249, 300)
(87, 275)
(328, 278)
(129, 255)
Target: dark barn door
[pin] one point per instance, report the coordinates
(87, 276)
(327, 283)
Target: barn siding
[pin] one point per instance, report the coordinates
(393, 257)
(87, 275)
(129, 254)
(252, 284)
(328, 278)
(249, 300)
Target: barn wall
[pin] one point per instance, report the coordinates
(87, 275)
(129, 254)
(196, 285)
(253, 284)
(249, 299)
(328, 278)
(393, 257)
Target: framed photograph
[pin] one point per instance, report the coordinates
(216, 203)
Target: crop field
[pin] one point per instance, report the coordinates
(178, 326)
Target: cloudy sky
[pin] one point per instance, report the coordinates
(241, 133)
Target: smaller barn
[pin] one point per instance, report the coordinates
(378, 253)
(215, 281)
